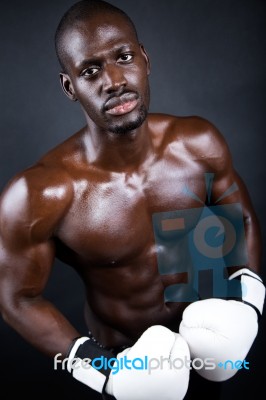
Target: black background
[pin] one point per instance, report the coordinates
(208, 59)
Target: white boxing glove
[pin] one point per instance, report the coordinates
(224, 330)
(158, 379)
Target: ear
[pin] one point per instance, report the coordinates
(67, 86)
(145, 55)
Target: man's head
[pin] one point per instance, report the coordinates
(79, 12)
(103, 65)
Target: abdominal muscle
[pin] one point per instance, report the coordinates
(127, 300)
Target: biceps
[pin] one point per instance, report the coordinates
(226, 188)
(25, 273)
(230, 189)
(246, 201)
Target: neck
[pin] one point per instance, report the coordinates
(118, 152)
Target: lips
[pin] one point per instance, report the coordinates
(122, 104)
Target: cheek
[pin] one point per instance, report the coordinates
(88, 98)
(144, 87)
(138, 79)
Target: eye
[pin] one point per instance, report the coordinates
(90, 71)
(125, 58)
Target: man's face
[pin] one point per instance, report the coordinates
(108, 73)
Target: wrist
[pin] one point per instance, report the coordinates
(81, 363)
(252, 289)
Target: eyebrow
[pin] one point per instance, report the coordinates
(88, 61)
(96, 60)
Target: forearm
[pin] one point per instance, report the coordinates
(252, 229)
(254, 243)
(40, 324)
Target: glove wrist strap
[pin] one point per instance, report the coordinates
(252, 289)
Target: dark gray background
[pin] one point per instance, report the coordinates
(208, 59)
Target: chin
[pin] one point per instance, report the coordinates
(129, 126)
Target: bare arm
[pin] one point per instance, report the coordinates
(26, 258)
(252, 227)
(225, 177)
(215, 152)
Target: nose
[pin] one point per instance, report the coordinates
(113, 78)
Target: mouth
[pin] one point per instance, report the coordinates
(121, 105)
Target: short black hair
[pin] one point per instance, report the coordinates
(78, 12)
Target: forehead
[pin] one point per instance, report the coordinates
(91, 37)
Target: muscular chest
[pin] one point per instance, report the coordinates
(111, 219)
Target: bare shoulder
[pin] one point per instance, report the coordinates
(196, 136)
(36, 198)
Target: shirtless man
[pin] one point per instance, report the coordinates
(92, 202)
